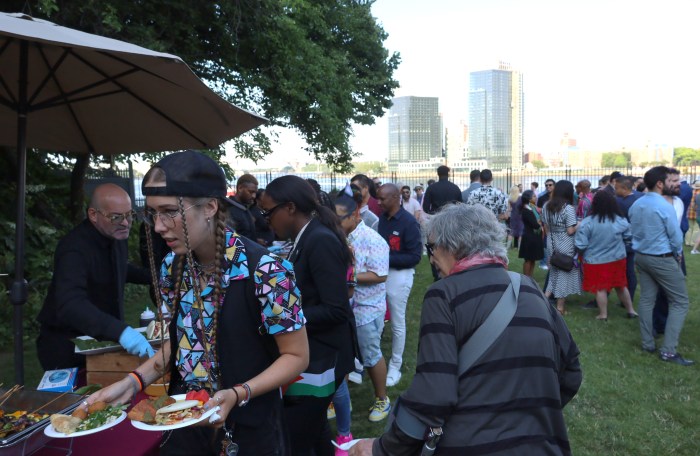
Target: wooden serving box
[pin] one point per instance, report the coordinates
(108, 368)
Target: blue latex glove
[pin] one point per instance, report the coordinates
(135, 343)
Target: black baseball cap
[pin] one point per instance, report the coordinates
(189, 174)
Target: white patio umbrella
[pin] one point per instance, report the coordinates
(66, 90)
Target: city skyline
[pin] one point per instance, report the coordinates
(610, 74)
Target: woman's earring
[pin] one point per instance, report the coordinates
(208, 220)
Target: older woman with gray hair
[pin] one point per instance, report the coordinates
(509, 399)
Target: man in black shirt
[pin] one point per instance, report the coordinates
(441, 192)
(86, 295)
(549, 188)
(239, 213)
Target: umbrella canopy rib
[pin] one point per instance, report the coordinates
(143, 101)
(52, 75)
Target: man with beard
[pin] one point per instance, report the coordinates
(239, 213)
(672, 196)
(658, 246)
(86, 296)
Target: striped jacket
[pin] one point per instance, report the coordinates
(510, 401)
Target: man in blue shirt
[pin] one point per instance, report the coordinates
(401, 231)
(658, 243)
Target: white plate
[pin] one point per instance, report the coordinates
(169, 427)
(51, 432)
(347, 445)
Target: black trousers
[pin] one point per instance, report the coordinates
(268, 439)
(309, 432)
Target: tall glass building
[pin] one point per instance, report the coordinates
(496, 112)
(415, 130)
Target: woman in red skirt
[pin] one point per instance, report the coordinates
(602, 237)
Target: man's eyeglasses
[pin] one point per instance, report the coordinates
(268, 213)
(118, 219)
(549, 185)
(430, 248)
(167, 218)
(343, 217)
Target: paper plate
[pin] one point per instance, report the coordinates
(169, 427)
(49, 431)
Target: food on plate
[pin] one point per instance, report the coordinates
(64, 423)
(11, 423)
(155, 329)
(96, 407)
(201, 396)
(81, 413)
(100, 415)
(145, 411)
(165, 411)
(179, 411)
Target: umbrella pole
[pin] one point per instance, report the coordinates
(18, 292)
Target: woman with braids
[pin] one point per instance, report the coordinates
(321, 258)
(237, 329)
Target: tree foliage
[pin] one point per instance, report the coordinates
(616, 160)
(539, 164)
(685, 156)
(317, 66)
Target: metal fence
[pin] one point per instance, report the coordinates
(501, 179)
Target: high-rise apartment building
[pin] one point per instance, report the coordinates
(415, 130)
(496, 112)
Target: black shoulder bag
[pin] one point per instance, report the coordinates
(558, 259)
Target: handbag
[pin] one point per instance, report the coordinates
(560, 260)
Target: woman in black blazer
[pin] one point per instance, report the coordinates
(321, 258)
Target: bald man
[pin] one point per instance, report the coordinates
(401, 231)
(86, 296)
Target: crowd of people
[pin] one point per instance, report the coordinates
(275, 334)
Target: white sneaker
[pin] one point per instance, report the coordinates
(694, 252)
(355, 377)
(393, 377)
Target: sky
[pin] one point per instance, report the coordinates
(610, 73)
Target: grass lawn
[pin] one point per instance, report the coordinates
(630, 403)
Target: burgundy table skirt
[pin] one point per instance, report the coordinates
(122, 439)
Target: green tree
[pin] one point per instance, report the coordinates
(539, 164)
(685, 156)
(314, 66)
(369, 168)
(616, 160)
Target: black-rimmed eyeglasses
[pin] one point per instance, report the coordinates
(118, 219)
(268, 213)
(430, 248)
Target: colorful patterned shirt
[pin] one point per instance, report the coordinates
(275, 288)
(371, 255)
(489, 197)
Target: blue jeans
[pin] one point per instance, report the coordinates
(341, 402)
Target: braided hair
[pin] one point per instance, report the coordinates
(156, 175)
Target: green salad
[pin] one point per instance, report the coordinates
(97, 419)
